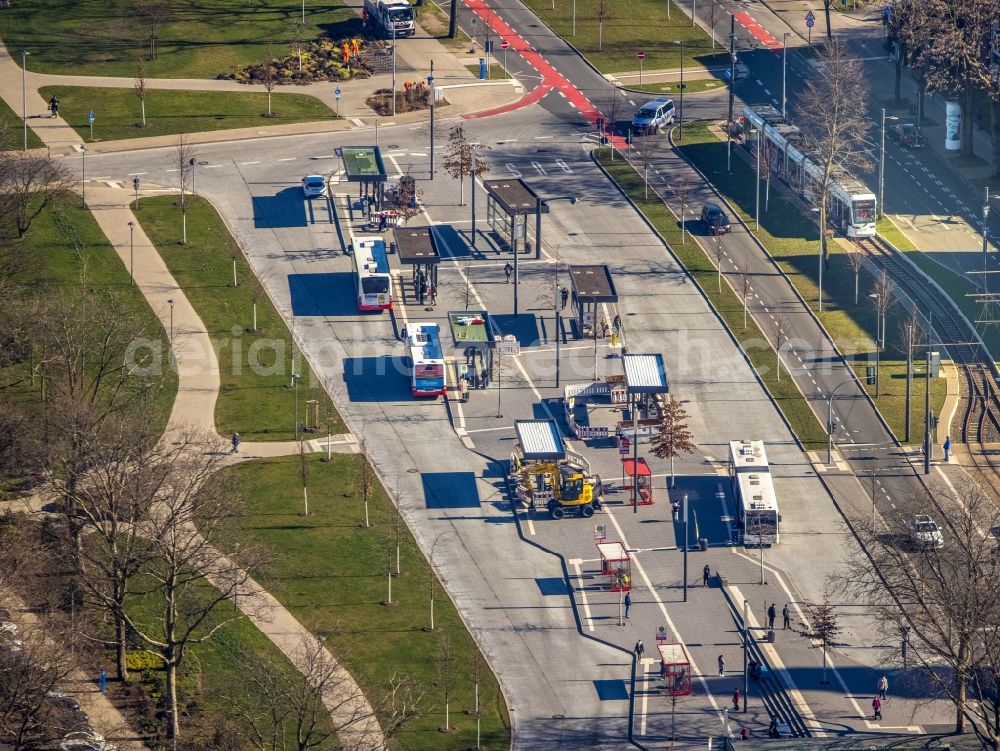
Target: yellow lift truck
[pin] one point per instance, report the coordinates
(544, 472)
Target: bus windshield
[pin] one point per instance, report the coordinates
(433, 370)
(762, 522)
(375, 285)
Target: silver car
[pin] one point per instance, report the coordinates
(654, 115)
(313, 185)
(925, 533)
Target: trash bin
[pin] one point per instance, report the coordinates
(770, 635)
(702, 544)
(392, 248)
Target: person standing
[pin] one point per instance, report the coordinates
(883, 687)
(432, 294)
(639, 649)
(507, 271)
(563, 297)
(876, 709)
(772, 613)
(705, 574)
(236, 443)
(736, 700)
(628, 603)
(722, 665)
(786, 616)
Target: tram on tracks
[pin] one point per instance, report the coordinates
(851, 206)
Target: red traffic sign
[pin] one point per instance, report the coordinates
(504, 44)
(624, 444)
(640, 55)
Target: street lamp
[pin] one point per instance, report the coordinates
(83, 173)
(986, 235)
(171, 302)
(472, 177)
(680, 123)
(880, 302)
(881, 168)
(131, 252)
(784, 68)
(392, 22)
(295, 387)
(829, 420)
(24, 95)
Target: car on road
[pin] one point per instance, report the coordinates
(313, 185)
(924, 532)
(85, 740)
(908, 135)
(653, 115)
(715, 220)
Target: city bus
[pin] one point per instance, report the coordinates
(753, 489)
(371, 273)
(425, 359)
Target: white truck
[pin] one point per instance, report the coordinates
(384, 14)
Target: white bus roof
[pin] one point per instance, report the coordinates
(756, 491)
(747, 456)
(424, 341)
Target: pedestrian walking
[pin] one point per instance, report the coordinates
(616, 323)
(507, 271)
(484, 378)
(876, 708)
(628, 603)
(432, 294)
(563, 297)
(104, 681)
(236, 443)
(736, 700)
(705, 574)
(424, 288)
(722, 665)
(883, 687)
(383, 222)
(639, 649)
(772, 613)
(786, 616)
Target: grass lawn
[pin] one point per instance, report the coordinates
(11, 129)
(671, 87)
(117, 113)
(792, 239)
(496, 73)
(332, 572)
(255, 399)
(433, 18)
(642, 25)
(212, 671)
(68, 244)
(105, 37)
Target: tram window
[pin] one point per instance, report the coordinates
(864, 210)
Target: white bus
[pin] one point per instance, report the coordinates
(371, 273)
(753, 488)
(426, 360)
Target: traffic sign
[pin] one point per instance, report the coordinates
(640, 55)
(504, 44)
(624, 444)
(90, 116)
(336, 93)
(810, 19)
(600, 532)
(728, 73)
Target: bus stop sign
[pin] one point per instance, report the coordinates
(810, 19)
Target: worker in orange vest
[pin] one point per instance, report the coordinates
(345, 52)
(356, 46)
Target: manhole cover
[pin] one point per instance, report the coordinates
(202, 162)
(413, 471)
(558, 717)
(393, 146)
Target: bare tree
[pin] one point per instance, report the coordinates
(911, 336)
(602, 10)
(28, 186)
(462, 158)
(445, 659)
(673, 438)
(821, 628)
(856, 258)
(256, 294)
(191, 513)
(779, 328)
(882, 294)
(140, 87)
(834, 125)
(682, 189)
(268, 74)
(616, 103)
(940, 600)
(713, 16)
(401, 703)
(366, 482)
(719, 253)
(744, 286)
(183, 159)
(404, 200)
(153, 13)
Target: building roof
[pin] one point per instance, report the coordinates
(514, 196)
(612, 551)
(416, 245)
(628, 467)
(540, 440)
(471, 328)
(645, 374)
(673, 653)
(363, 164)
(593, 284)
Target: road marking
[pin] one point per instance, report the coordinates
(287, 159)
(583, 595)
(247, 164)
(645, 694)
(211, 166)
(418, 153)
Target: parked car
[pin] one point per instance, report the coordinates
(715, 220)
(924, 532)
(908, 135)
(85, 740)
(654, 115)
(313, 185)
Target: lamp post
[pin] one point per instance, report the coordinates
(680, 121)
(881, 168)
(756, 208)
(24, 95)
(295, 388)
(430, 87)
(878, 300)
(685, 503)
(784, 69)
(171, 302)
(83, 173)
(574, 17)
(131, 252)
(746, 649)
(986, 235)
(829, 421)
(472, 188)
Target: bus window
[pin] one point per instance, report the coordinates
(375, 285)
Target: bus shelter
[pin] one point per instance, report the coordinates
(675, 669)
(475, 335)
(616, 564)
(509, 203)
(416, 247)
(592, 287)
(364, 165)
(642, 480)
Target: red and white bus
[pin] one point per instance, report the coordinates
(371, 273)
(426, 361)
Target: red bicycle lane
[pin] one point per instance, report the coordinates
(552, 79)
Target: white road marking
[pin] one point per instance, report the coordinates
(583, 595)
(287, 159)
(247, 164)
